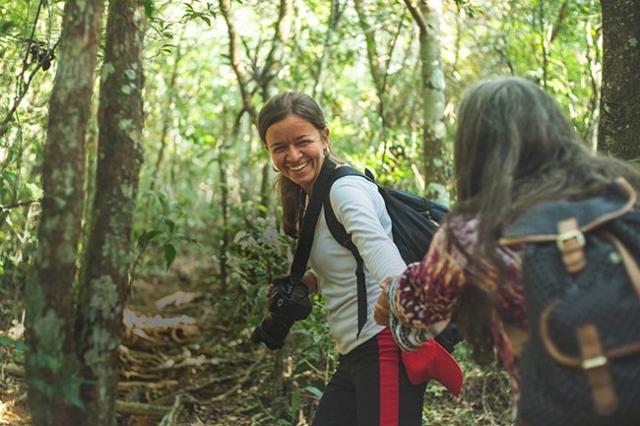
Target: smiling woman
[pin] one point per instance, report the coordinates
(297, 149)
(287, 124)
(370, 386)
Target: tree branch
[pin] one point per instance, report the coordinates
(274, 56)
(562, 14)
(238, 69)
(18, 204)
(334, 19)
(417, 16)
(22, 87)
(372, 50)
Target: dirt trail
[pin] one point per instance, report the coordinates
(181, 365)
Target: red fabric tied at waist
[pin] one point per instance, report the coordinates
(432, 361)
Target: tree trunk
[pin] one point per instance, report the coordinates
(379, 72)
(619, 129)
(427, 17)
(332, 26)
(102, 295)
(167, 120)
(224, 206)
(51, 361)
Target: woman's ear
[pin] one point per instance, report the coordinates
(324, 136)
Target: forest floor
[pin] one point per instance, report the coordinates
(183, 363)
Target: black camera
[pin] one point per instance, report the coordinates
(289, 302)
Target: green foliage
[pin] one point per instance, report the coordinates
(161, 231)
(11, 343)
(259, 254)
(23, 106)
(149, 9)
(67, 390)
(204, 183)
(206, 15)
(315, 358)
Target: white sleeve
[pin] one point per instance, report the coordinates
(359, 207)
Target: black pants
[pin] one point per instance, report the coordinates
(370, 388)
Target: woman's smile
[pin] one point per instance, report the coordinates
(299, 167)
(297, 149)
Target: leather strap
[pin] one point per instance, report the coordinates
(571, 244)
(596, 366)
(630, 264)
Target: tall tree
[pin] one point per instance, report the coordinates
(619, 129)
(337, 8)
(105, 287)
(379, 72)
(427, 18)
(51, 363)
(262, 77)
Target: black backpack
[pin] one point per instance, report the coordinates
(414, 221)
(581, 364)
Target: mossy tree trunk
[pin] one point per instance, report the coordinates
(105, 288)
(51, 361)
(427, 18)
(619, 129)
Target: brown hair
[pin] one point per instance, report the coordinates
(514, 148)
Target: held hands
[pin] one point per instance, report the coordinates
(311, 281)
(381, 309)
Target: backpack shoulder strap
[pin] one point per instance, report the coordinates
(339, 233)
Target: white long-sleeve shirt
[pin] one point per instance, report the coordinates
(359, 207)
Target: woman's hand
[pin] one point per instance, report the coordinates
(311, 281)
(381, 309)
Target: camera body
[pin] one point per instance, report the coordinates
(289, 302)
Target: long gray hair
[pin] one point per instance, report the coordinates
(513, 149)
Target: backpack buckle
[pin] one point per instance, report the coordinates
(595, 362)
(570, 235)
(570, 241)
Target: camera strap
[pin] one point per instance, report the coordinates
(321, 189)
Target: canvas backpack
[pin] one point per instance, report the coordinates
(414, 221)
(581, 363)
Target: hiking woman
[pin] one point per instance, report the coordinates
(370, 386)
(514, 149)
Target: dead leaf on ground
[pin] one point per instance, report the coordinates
(176, 299)
(158, 328)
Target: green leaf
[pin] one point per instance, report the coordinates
(262, 208)
(16, 344)
(147, 236)
(71, 391)
(170, 224)
(314, 391)
(149, 9)
(162, 199)
(169, 254)
(5, 26)
(206, 19)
